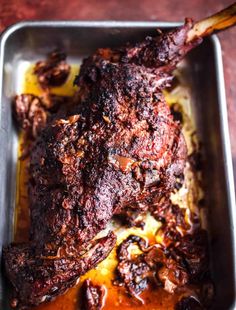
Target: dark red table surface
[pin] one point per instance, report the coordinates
(12, 11)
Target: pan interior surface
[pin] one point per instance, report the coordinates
(27, 43)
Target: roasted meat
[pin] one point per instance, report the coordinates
(53, 71)
(30, 114)
(132, 271)
(119, 146)
(38, 276)
(33, 113)
(183, 261)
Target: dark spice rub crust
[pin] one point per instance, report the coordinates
(119, 146)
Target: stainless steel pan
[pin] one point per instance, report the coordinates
(30, 41)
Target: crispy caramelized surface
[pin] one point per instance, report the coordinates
(30, 113)
(184, 261)
(53, 71)
(120, 146)
(38, 277)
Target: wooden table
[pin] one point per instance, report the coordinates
(12, 11)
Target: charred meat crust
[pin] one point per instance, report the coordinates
(38, 278)
(119, 146)
(53, 71)
(30, 114)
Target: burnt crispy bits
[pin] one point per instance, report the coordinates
(172, 275)
(123, 249)
(30, 114)
(93, 296)
(39, 277)
(132, 270)
(188, 303)
(133, 275)
(166, 272)
(151, 267)
(192, 252)
(53, 71)
(173, 221)
(171, 266)
(168, 213)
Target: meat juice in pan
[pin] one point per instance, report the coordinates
(188, 197)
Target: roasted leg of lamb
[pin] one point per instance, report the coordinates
(119, 146)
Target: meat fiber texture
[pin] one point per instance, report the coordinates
(119, 145)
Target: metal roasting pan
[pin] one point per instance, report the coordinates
(30, 41)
